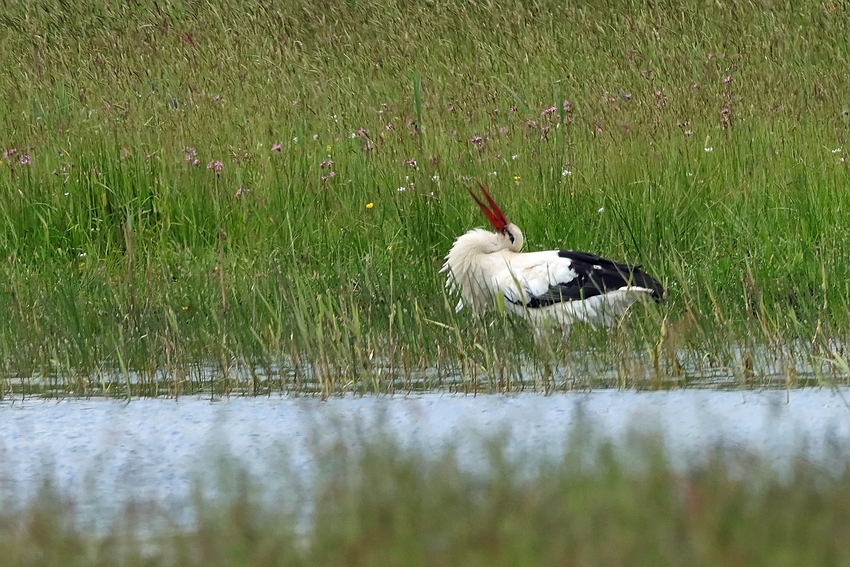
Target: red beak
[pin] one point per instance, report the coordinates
(493, 213)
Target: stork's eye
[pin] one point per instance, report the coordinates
(511, 236)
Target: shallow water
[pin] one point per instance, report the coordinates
(105, 452)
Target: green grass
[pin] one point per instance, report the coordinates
(124, 263)
(383, 504)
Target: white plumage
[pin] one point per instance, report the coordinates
(561, 286)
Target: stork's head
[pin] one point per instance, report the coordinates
(510, 236)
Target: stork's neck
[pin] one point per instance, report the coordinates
(479, 241)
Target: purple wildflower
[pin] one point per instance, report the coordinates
(363, 133)
(727, 79)
(276, 147)
(476, 140)
(216, 166)
(24, 159)
(548, 111)
(10, 152)
(240, 191)
(327, 163)
(688, 132)
(411, 162)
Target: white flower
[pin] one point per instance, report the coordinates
(82, 254)
(493, 173)
(400, 189)
(514, 156)
(566, 172)
(315, 137)
(708, 149)
(836, 150)
(435, 177)
(601, 209)
(353, 135)
(690, 174)
(295, 139)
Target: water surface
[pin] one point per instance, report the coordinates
(105, 452)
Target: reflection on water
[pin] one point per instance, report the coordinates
(107, 452)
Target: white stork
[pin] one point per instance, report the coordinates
(562, 286)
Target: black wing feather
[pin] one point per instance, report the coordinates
(595, 276)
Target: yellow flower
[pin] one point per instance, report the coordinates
(328, 148)
(370, 205)
(381, 134)
(516, 177)
(389, 247)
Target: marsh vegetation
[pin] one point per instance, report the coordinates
(199, 196)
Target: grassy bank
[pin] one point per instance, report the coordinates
(386, 505)
(202, 195)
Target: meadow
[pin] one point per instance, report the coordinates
(211, 196)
